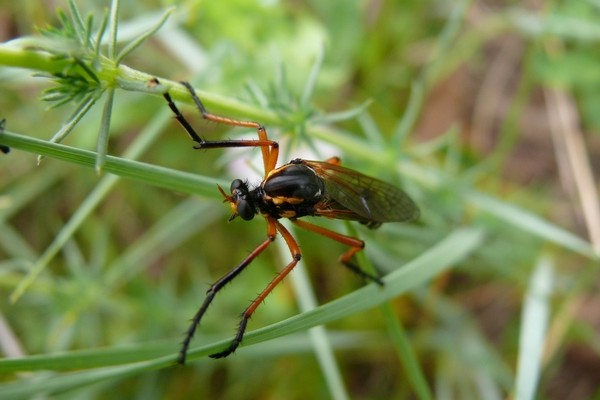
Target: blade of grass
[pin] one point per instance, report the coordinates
(131, 353)
(140, 39)
(100, 34)
(534, 322)
(84, 106)
(113, 28)
(78, 23)
(158, 176)
(311, 82)
(405, 352)
(345, 115)
(532, 223)
(61, 383)
(104, 134)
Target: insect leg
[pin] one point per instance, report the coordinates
(355, 244)
(215, 287)
(178, 115)
(269, 148)
(296, 256)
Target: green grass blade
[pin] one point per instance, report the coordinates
(77, 20)
(532, 223)
(534, 323)
(84, 106)
(61, 383)
(113, 29)
(104, 134)
(157, 176)
(406, 354)
(140, 39)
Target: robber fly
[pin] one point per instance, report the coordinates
(294, 190)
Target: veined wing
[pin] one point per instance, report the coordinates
(370, 198)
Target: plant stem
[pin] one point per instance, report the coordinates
(42, 62)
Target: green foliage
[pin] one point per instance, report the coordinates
(103, 259)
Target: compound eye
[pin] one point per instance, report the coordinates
(245, 210)
(237, 184)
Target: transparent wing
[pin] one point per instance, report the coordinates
(368, 197)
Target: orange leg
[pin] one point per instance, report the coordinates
(355, 244)
(272, 227)
(247, 314)
(269, 148)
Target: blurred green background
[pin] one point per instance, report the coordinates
(483, 111)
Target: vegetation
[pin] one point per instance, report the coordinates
(112, 227)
